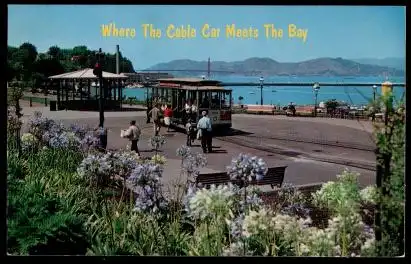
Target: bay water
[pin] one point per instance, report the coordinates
(361, 95)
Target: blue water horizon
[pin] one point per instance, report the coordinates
(299, 95)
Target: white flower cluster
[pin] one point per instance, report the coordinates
(348, 176)
(368, 248)
(369, 194)
(210, 202)
(339, 196)
(322, 197)
(158, 159)
(28, 141)
(352, 227)
(237, 249)
(319, 242)
(258, 221)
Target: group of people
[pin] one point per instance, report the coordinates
(203, 130)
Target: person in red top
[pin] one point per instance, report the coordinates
(168, 114)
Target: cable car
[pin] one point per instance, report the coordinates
(198, 93)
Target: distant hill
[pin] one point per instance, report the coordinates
(267, 66)
(397, 63)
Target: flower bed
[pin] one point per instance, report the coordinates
(114, 204)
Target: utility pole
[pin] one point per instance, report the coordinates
(117, 59)
(208, 68)
(261, 89)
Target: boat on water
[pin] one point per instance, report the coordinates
(134, 86)
(251, 92)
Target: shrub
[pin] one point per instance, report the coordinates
(39, 222)
(53, 197)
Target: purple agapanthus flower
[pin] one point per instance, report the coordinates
(247, 168)
(79, 130)
(296, 209)
(124, 163)
(184, 152)
(236, 226)
(89, 141)
(38, 125)
(192, 164)
(156, 142)
(95, 167)
(145, 174)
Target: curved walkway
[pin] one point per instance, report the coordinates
(300, 169)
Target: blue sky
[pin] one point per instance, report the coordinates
(333, 31)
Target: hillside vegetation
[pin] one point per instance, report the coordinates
(25, 63)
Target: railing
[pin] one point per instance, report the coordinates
(309, 84)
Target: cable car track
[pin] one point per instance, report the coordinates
(329, 143)
(240, 141)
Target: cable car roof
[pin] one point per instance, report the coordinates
(203, 88)
(193, 81)
(191, 84)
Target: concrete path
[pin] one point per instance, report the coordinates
(300, 170)
(326, 139)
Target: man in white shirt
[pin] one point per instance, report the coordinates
(204, 124)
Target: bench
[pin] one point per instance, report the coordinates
(260, 109)
(274, 178)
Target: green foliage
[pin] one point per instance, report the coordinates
(391, 143)
(39, 221)
(52, 210)
(24, 63)
(331, 104)
(342, 197)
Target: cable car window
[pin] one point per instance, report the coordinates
(215, 100)
(204, 100)
(226, 100)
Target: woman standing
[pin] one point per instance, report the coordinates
(168, 114)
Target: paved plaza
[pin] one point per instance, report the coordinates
(267, 131)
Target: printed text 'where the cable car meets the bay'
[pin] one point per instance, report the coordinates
(207, 31)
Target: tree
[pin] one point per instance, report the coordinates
(390, 140)
(13, 69)
(25, 58)
(54, 52)
(331, 106)
(240, 100)
(25, 63)
(48, 67)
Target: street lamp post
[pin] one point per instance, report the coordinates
(148, 102)
(261, 89)
(316, 88)
(98, 72)
(374, 90)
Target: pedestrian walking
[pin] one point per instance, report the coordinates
(133, 134)
(155, 116)
(190, 132)
(204, 124)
